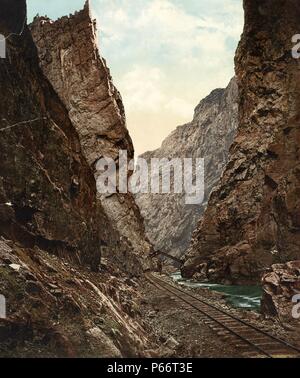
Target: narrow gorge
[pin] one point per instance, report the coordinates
(169, 220)
(87, 274)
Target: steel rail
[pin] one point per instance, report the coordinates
(160, 284)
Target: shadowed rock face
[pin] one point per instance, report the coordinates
(12, 16)
(169, 220)
(70, 59)
(47, 191)
(252, 219)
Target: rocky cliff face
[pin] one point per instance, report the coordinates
(52, 225)
(252, 219)
(48, 194)
(70, 59)
(281, 288)
(169, 220)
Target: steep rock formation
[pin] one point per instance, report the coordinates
(52, 225)
(252, 219)
(70, 59)
(169, 220)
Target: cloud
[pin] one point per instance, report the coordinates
(157, 24)
(165, 55)
(180, 107)
(145, 89)
(142, 89)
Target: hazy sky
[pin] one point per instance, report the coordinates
(164, 55)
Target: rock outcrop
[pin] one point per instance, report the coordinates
(169, 220)
(281, 293)
(52, 225)
(70, 59)
(252, 219)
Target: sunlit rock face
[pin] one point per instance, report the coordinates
(252, 219)
(169, 220)
(70, 59)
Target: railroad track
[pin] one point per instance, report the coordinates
(250, 340)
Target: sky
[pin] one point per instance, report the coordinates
(164, 55)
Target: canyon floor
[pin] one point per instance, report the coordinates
(182, 333)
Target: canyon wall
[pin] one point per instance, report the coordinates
(169, 220)
(70, 59)
(252, 219)
(52, 225)
(48, 194)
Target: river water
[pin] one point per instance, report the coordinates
(245, 297)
